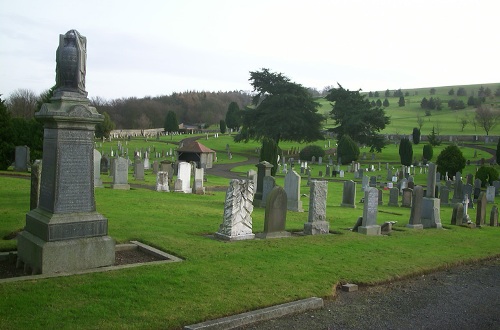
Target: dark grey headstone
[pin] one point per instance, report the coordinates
(416, 209)
(481, 209)
(458, 214)
(407, 197)
(275, 215)
(444, 196)
(494, 216)
(394, 197)
(22, 159)
(370, 207)
(431, 181)
(268, 185)
(263, 170)
(349, 194)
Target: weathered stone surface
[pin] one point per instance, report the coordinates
(36, 178)
(494, 216)
(349, 194)
(198, 188)
(490, 194)
(263, 170)
(275, 215)
(317, 223)
(292, 189)
(97, 169)
(120, 177)
(162, 181)
(431, 181)
(22, 159)
(444, 197)
(184, 174)
(394, 197)
(415, 221)
(481, 209)
(430, 216)
(139, 170)
(370, 207)
(407, 200)
(457, 216)
(268, 185)
(458, 192)
(238, 208)
(65, 233)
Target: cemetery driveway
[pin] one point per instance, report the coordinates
(224, 170)
(463, 297)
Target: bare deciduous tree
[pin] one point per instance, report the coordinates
(420, 122)
(487, 118)
(22, 103)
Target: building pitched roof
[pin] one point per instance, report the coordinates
(194, 146)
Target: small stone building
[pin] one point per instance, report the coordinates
(196, 152)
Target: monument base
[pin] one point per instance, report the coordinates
(316, 228)
(66, 256)
(98, 183)
(276, 234)
(120, 186)
(419, 226)
(431, 213)
(370, 230)
(224, 237)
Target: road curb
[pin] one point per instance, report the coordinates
(264, 314)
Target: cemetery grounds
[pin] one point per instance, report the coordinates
(217, 278)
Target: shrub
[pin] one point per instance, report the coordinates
(416, 135)
(486, 174)
(269, 153)
(498, 152)
(347, 150)
(450, 160)
(405, 152)
(222, 126)
(433, 138)
(427, 152)
(309, 151)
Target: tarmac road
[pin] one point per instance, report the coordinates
(464, 297)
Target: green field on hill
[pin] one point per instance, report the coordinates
(404, 119)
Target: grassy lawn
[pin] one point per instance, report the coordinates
(218, 279)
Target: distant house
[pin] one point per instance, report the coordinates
(196, 152)
(188, 128)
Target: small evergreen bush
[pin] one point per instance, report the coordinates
(312, 150)
(347, 150)
(487, 174)
(450, 160)
(427, 152)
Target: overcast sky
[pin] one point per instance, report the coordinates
(151, 48)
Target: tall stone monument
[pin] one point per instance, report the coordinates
(369, 223)
(431, 206)
(237, 221)
(65, 233)
(317, 223)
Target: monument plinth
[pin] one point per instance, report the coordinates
(65, 233)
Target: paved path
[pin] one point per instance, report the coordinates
(465, 297)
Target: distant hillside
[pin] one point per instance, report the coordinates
(190, 107)
(446, 120)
